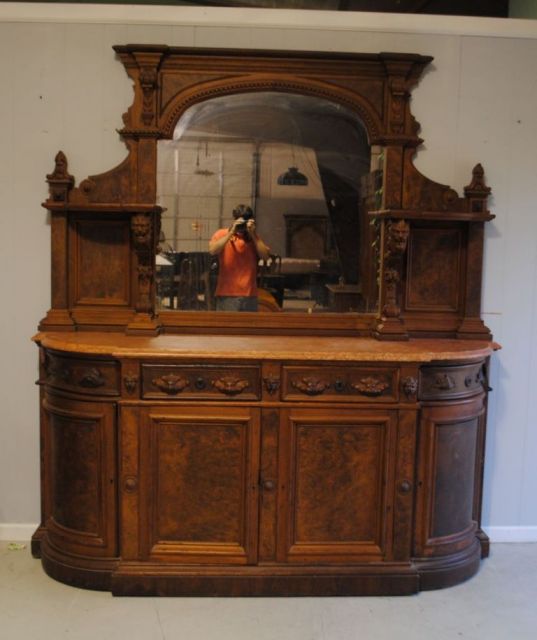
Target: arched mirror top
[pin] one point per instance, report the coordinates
(338, 151)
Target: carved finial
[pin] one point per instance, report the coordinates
(477, 187)
(477, 191)
(60, 181)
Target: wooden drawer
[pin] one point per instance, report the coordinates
(202, 382)
(87, 376)
(344, 384)
(444, 382)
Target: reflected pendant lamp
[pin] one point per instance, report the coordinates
(293, 177)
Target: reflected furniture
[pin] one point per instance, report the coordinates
(279, 454)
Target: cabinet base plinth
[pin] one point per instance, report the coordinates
(148, 579)
(440, 572)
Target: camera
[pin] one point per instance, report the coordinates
(245, 213)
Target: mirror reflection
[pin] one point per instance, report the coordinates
(266, 197)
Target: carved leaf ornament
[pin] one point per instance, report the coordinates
(370, 386)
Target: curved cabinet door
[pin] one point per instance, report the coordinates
(79, 456)
(198, 484)
(451, 436)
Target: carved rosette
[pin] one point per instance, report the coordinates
(60, 182)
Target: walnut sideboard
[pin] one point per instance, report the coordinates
(261, 465)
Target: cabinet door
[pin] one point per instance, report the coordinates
(198, 472)
(336, 485)
(447, 511)
(80, 475)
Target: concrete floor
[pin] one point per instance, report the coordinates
(500, 603)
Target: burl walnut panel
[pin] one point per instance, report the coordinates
(337, 496)
(101, 262)
(201, 475)
(455, 448)
(433, 277)
(81, 478)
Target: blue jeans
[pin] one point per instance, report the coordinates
(236, 303)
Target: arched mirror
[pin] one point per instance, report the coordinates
(303, 168)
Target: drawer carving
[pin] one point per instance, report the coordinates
(310, 385)
(370, 386)
(343, 384)
(92, 378)
(230, 385)
(170, 384)
(451, 381)
(190, 381)
(100, 377)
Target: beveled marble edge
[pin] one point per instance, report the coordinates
(262, 347)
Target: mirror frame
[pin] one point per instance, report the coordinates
(167, 81)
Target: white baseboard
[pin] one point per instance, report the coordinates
(24, 532)
(17, 532)
(511, 534)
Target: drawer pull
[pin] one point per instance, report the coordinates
(405, 487)
(268, 485)
(170, 384)
(311, 386)
(370, 386)
(339, 385)
(230, 385)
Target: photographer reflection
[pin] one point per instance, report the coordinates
(238, 249)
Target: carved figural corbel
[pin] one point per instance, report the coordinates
(396, 243)
(141, 231)
(142, 238)
(60, 181)
(148, 82)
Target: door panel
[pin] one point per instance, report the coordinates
(336, 485)
(201, 469)
(80, 469)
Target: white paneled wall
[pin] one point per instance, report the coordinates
(62, 88)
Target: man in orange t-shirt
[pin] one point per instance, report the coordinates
(238, 249)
